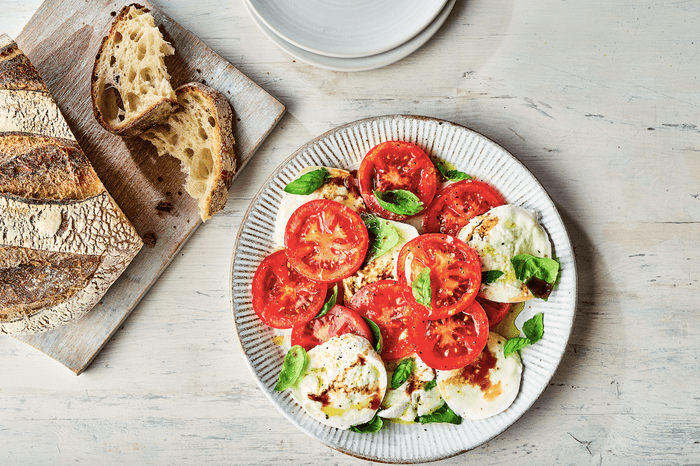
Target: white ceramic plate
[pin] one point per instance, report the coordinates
(347, 28)
(355, 64)
(472, 153)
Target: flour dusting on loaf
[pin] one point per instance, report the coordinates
(63, 239)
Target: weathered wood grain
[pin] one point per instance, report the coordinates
(599, 99)
(61, 40)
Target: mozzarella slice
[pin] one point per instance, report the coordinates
(339, 187)
(411, 399)
(344, 382)
(486, 387)
(498, 235)
(382, 267)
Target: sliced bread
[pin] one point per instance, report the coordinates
(200, 134)
(131, 88)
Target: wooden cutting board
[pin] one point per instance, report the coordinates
(61, 40)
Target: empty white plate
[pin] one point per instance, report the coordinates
(347, 28)
(355, 64)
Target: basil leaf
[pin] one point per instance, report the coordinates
(383, 236)
(430, 385)
(448, 172)
(375, 425)
(534, 328)
(402, 372)
(527, 266)
(399, 201)
(421, 288)
(442, 414)
(490, 276)
(330, 303)
(308, 182)
(378, 340)
(293, 368)
(515, 344)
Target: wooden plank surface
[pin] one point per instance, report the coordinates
(599, 99)
(61, 40)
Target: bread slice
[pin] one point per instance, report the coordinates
(63, 239)
(131, 88)
(200, 135)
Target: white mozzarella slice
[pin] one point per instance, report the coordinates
(344, 382)
(486, 387)
(498, 235)
(334, 188)
(411, 399)
(382, 267)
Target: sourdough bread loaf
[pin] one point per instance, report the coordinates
(200, 134)
(63, 239)
(130, 84)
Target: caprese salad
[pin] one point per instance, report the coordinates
(389, 286)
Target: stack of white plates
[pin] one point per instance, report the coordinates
(349, 35)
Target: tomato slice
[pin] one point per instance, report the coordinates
(458, 203)
(325, 240)
(455, 273)
(496, 312)
(338, 321)
(453, 342)
(396, 165)
(385, 304)
(282, 297)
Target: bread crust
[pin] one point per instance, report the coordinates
(63, 239)
(152, 114)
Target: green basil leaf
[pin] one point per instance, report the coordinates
(375, 425)
(378, 341)
(490, 276)
(442, 414)
(330, 303)
(421, 288)
(383, 236)
(456, 175)
(308, 182)
(449, 172)
(293, 368)
(402, 372)
(399, 201)
(430, 385)
(527, 266)
(515, 344)
(534, 328)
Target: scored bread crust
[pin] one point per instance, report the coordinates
(177, 134)
(107, 81)
(63, 239)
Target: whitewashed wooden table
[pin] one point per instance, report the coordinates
(601, 100)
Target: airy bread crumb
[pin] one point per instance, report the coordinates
(130, 84)
(199, 134)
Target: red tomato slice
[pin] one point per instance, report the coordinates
(338, 321)
(395, 165)
(458, 203)
(283, 298)
(453, 342)
(496, 312)
(384, 303)
(325, 240)
(455, 273)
